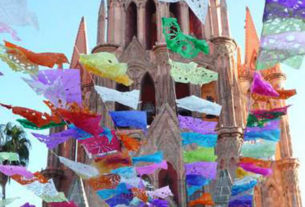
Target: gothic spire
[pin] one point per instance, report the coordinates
(252, 40)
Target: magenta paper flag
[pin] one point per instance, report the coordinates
(59, 86)
(15, 12)
(161, 192)
(4, 28)
(255, 169)
(63, 204)
(262, 87)
(206, 169)
(55, 139)
(150, 169)
(98, 146)
(10, 170)
(197, 125)
(270, 114)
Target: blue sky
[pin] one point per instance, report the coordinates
(59, 21)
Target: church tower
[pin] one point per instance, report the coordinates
(281, 188)
(132, 30)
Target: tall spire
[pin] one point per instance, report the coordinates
(81, 44)
(252, 40)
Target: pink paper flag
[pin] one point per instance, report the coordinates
(150, 169)
(262, 87)
(10, 170)
(161, 192)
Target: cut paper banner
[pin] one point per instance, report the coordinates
(125, 172)
(242, 185)
(24, 181)
(63, 204)
(44, 59)
(283, 33)
(83, 170)
(43, 189)
(270, 114)
(191, 189)
(27, 205)
(255, 169)
(271, 135)
(156, 158)
(108, 193)
(253, 121)
(245, 201)
(61, 87)
(283, 94)
(196, 125)
(120, 200)
(140, 193)
(106, 65)
(38, 118)
(136, 119)
(81, 134)
(196, 180)
(185, 45)
(159, 203)
(10, 170)
(200, 8)
(4, 28)
(109, 181)
(129, 98)
(98, 146)
(263, 149)
(53, 140)
(150, 169)
(191, 73)
(203, 140)
(161, 192)
(14, 63)
(194, 103)
(200, 154)
(205, 199)
(8, 156)
(257, 162)
(262, 87)
(131, 144)
(15, 12)
(6, 202)
(206, 169)
(271, 125)
(60, 197)
(83, 119)
(29, 125)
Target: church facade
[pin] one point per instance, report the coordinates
(132, 30)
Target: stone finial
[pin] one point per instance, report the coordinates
(223, 187)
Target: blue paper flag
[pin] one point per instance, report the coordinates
(136, 119)
(126, 172)
(197, 180)
(203, 140)
(271, 135)
(156, 158)
(191, 189)
(108, 193)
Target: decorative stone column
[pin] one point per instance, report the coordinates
(141, 23)
(184, 16)
(162, 11)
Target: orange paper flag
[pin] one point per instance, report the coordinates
(44, 59)
(283, 94)
(140, 193)
(257, 162)
(130, 143)
(205, 199)
(104, 182)
(24, 181)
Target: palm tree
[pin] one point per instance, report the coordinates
(13, 139)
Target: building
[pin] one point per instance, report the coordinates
(131, 29)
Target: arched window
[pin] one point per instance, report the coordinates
(208, 92)
(148, 98)
(131, 22)
(118, 106)
(195, 25)
(169, 178)
(174, 11)
(182, 90)
(151, 24)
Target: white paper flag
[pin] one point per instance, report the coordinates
(200, 8)
(81, 169)
(194, 103)
(161, 192)
(43, 189)
(129, 98)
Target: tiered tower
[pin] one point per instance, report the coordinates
(281, 188)
(132, 30)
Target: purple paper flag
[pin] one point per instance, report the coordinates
(262, 87)
(197, 125)
(10, 170)
(255, 169)
(150, 169)
(206, 169)
(27, 205)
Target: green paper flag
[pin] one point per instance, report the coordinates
(186, 45)
(9, 156)
(200, 154)
(29, 125)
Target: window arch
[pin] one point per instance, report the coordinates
(151, 24)
(174, 11)
(182, 90)
(118, 106)
(131, 22)
(195, 25)
(169, 178)
(148, 98)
